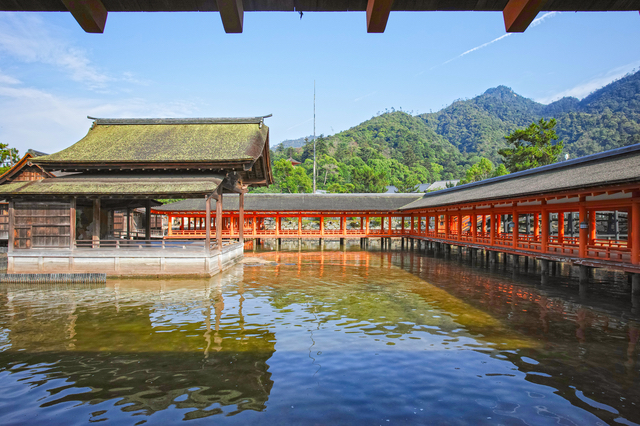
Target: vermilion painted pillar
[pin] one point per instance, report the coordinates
(483, 225)
(436, 224)
(544, 223)
(459, 225)
(322, 226)
(492, 230)
(536, 225)
(498, 218)
(366, 223)
(299, 225)
(474, 227)
(447, 227)
(390, 226)
(584, 232)
(561, 227)
(516, 230)
(592, 226)
(413, 224)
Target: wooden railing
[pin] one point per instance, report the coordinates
(164, 244)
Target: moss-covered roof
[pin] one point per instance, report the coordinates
(164, 141)
(121, 185)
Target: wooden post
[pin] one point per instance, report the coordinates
(96, 223)
(592, 226)
(492, 230)
(544, 238)
(219, 219)
(536, 225)
(515, 230)
(436, 224)
(584, 232)
(253, 225)
(12, 237)
(483, 225)
(170, 228)
(413, 222)
(207, 218)
(561, 228)
(128, 223)
(390, 226)
(241, 218)
(498, 218)
(447, 225)
(72, 223)
(366, 223)
(343, 225)
(322, 226)
(147, 226)
(634, 230)
(460, 226)
(300, 225)
(474, 227)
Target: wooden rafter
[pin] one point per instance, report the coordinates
(232, 14)
(90, 14)
(377, 15)
(518, 14)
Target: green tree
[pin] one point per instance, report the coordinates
(532, 147)
(8, 157)
(291, 179)
(483, 169)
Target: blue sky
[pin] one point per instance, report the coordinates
(52, 74)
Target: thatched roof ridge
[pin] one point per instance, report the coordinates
(202, 120)
(301, 203)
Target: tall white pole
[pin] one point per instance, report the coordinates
(314, 136)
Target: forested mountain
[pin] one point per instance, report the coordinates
(294, 143)
(404, 150)
(608, 118)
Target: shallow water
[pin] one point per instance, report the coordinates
(333, 337)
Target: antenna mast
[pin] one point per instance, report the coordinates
(314, 136)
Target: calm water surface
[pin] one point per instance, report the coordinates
(372, 338)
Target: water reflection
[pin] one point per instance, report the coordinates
(150, 346)
(322, 338)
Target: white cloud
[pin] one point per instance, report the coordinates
(7, 79)
(585, 88)
(33, 118)
(27, 38)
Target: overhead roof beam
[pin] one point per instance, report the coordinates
(377, 15)
(518, 14)
(90, 14)
(232, 14)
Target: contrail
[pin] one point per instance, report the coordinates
(535, 22)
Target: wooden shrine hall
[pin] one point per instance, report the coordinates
(584, 211)
(63, 219)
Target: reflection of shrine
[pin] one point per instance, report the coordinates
(118, 353)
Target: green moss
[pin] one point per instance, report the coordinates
(165, 143)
